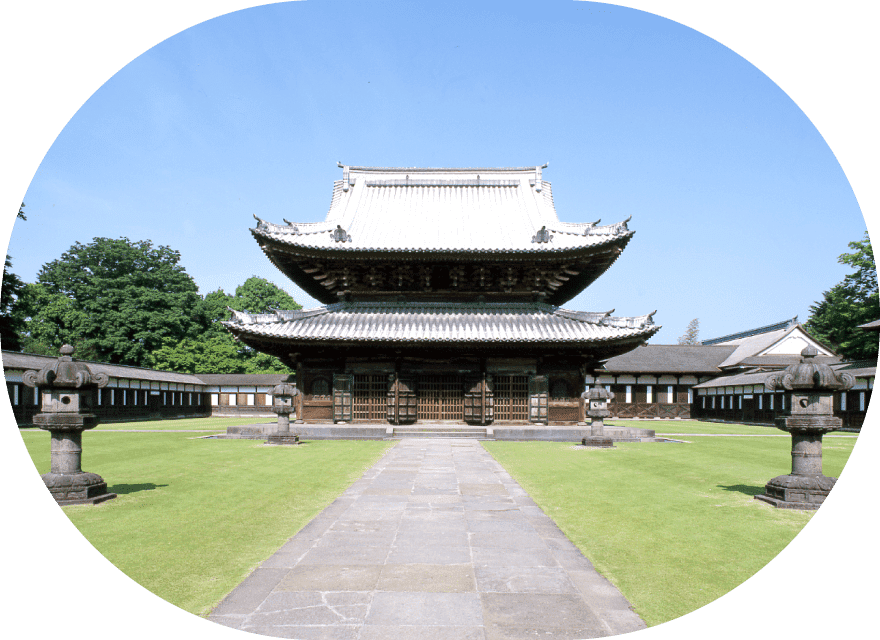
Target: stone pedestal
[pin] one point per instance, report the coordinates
(67, 389)
(812, 386)
(287, 400)
(596, 408)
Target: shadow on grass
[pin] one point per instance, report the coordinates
(134, 488)
(747, 489)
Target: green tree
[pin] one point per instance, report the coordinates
(692, 333)
(49, 320)
(127, 299)
(216, 351)
(258, 295)
(10, 325)
(850, 303)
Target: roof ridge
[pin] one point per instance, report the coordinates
(785, 324)
(441, 169)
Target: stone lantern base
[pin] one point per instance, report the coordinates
(598, 441)
(797, 492)
(282, 438)
(77, 488)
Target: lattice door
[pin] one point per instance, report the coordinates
(538, 399)
(342, 396)
(511, 397)
(369, 397)
(441, 397)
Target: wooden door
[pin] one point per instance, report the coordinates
(479, 399)
(473, 399)
(343, 384)
(441, 397)
(538, 399)
(402, 403)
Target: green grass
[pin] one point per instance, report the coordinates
(195, 516)
(673, 526)
(663, 427)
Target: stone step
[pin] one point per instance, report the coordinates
(438, 432)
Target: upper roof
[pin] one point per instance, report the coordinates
(871, 326)
(671, 358)
(483, 210)
(443, 323)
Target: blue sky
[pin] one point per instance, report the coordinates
(727, 181)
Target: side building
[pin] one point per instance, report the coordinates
(134, 393)
(723, 378)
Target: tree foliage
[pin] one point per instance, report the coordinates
(10, 325)
(132, 303)
(692, 333)
(216, 351)
(850, 303)
(119, 300)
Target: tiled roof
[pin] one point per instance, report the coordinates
(670, 358)
(243, 379)
(756, 376)
(749, 377)
(444, 322)
(16, 360)
(860, 368)
(871, 326)
(434, 210)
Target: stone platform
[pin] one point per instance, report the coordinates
(551, 433)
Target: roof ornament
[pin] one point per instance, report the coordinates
(261, 224)
(537, 182)
(345, 177)
(542, 236)
(591, 226)
(621, 227)
(240, 316)
(339, 234)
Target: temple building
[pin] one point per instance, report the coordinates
(442, 290)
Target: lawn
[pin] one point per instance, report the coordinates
(673, 526)
(693, 427)
(184, 424)
(195, 516)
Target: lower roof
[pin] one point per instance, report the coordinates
(442, 323)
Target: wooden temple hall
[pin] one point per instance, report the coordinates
(442, 290)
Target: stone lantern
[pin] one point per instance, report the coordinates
(288, 399)
(596, 407)
(812, 387)
(68, 391)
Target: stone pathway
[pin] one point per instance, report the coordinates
(435, 542)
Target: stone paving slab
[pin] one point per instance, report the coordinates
(435, 542)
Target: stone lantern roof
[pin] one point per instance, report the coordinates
(285, 389)
(597, 392)
(809, 375)
(65, 373)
